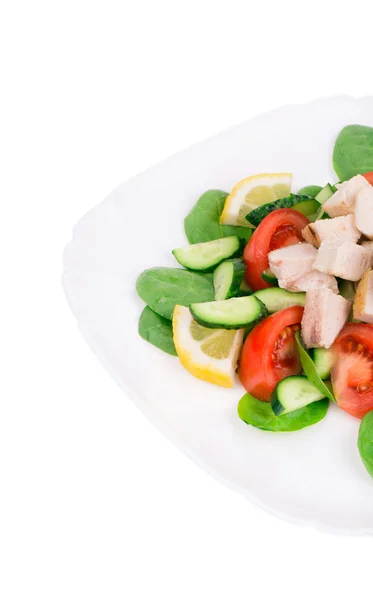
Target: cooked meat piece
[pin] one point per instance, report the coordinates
(291, 263)
(364, 211)
(324, 315)
(363, 304)
(340, 229)
(368, 245)
(348, 261)
(343, 201)
(314, 280)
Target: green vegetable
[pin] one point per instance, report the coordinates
(228, 278)
(365, 442)
(202, 223)
(256, 216)
(157, 330)
(205, 256)
(260, 415)
(353, 151)
(245, 290)
(310, 370)
(310, 190)
(162, 288)
(234, 313)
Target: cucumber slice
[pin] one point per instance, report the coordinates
(269, 277)
(326, 193)
(276, 299)
(229, 314)
(257, 215)
(228, 277)
(245, 290)
(323, 361)
(293, 393)
(310, 371)
(310, 190)
(207, 255)
(309, 208)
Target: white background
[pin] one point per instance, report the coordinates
(95, 503)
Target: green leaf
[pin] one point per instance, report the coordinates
(162, 288)
(310, 190)
(353, 151)
(365, 442)
(310, 370)
(202, 223)
(260, 414)
(157, 330)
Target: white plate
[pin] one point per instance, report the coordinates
(314, 476)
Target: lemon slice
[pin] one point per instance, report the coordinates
(209, 354)
(253, 192)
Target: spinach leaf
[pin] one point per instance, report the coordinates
(202, 223)
(353, 151)
(311, 371)
(157, 330)
(260, 414)
(365, 442)
(161, 288)
(310, 190)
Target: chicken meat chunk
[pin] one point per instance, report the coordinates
(340, 229)
(343, 201)
(368, 245)
(348, 261)
(364, 211)
(324, 316)
(363, 304)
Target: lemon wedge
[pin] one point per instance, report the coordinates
(253, 192)
(209, 354)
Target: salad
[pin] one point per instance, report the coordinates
(275, 289)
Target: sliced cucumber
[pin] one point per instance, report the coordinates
(326, 193)
(245, 290)
(277, 299)
(310, 190)
(229, 314)
(207, 255)
(323, 361)
(269, 277)
(293, 393)
(228, 278)
(309, 208)
(257, 215)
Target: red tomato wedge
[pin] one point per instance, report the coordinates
(270, 353)
(369, 177)
(282, 227)
(352, 372)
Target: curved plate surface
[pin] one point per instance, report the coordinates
(314, 476)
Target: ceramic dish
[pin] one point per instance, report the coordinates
(314, 476)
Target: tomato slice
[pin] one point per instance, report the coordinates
(282, 227)
(270, 353)
(352, 372)
(369, 177)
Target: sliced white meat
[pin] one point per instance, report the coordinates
(291, 263)
(314, 280)
(348, 261)
(324, 315)
(368, 245)
(363, 304)
(343, 201)
(340, 229)
(364, 211)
